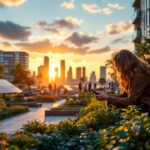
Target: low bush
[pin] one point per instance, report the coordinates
(35, 127)
(45, 99)
(68, 127)
(7, 112)
(97, 127)
(24, 141)
(2, 103)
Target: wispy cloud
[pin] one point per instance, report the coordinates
(100, 51)
(79, 39)
(94, 8)
(66, 23)
(9, 3)
(7, 44)
(120, 40)
(115, 6)
(121, 27)
(68, 4)
(45, 46)
(13, 31)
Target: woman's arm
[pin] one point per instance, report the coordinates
(138, 85)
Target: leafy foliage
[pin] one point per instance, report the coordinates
(7, 112)
(24, 141)
(20, 75)
(97, 127)
(143, 50)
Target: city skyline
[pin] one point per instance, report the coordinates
(84, 33)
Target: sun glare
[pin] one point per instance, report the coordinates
(52, 73)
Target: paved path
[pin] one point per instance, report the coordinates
(13, 124)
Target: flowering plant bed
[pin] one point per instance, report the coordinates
(96, 127)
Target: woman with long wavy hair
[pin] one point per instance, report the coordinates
(133, 77)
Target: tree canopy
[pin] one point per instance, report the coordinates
(143, 50)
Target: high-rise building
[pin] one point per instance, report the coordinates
(93, 77)
(46, 69)
(141, 20)
(84, 73)
(43, 72)
(78, 74)
(103, 72)
(69, 75)
(10, 59)
(63, 70)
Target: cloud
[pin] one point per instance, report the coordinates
(121, 27)
(12, 31)
(79, 39)
(68, 5)
(66, 23)
(94, 8)
(10, 3)
(99, 51)
(115, 6)
(6, 44)
(120, 40)
(47, 27)
(45, 46)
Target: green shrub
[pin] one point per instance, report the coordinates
(46, 99)
(2, 103)
(12, 111)
(3, 141)
(13, 147)
(97, 127)
(24, 141)
(94, 105)
(68, 127)
(98, 119)
(35, 127)
(127, 134)
(51, 128)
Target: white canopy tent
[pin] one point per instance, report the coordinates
(6, 87)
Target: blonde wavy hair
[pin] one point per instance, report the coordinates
(125, 64)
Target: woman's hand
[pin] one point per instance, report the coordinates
(102, 97)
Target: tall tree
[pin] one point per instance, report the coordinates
(29, 82)
(1, 71)
(102, 81)
(20, 75)
(109, 65)
(143, 50)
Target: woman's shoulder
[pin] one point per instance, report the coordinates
(141, 76)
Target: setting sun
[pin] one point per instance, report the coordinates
(52, 72)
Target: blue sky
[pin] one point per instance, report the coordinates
(83, 32)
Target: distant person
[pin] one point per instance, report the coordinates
(85, 88)
(95, 86)
(80, 87)
(50, 87)
(133, 76)
(90, 87)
